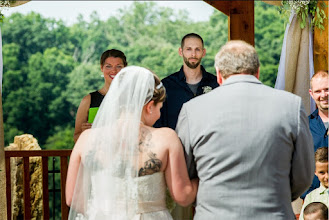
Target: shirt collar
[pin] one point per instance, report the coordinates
(241, 78)
(181, 75)
(323, 189)
(315, 114)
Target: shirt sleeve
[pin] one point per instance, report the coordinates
(183, 132)
(302, 164)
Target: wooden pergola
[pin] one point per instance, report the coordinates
(241, 27)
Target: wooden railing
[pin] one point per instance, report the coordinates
(44, 154)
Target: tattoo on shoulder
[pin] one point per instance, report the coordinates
(151, 166)
(145, 140)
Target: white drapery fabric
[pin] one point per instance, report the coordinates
(296, 62)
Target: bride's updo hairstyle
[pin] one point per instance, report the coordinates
(159, 94)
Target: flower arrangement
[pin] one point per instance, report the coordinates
(305, 8)
(3, 4)
(206, 89)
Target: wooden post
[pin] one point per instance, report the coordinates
(45, 188)
(64, 207)
(240, 19)
(3, 200)
(320, 53)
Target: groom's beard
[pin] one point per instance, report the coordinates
(191, 65)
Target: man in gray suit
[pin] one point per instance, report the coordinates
(249, 144)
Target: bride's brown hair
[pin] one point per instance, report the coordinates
(159, 94)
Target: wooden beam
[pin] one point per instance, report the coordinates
(64, 207)
(3, 170)
(240, 19)
(321, 45)
(223, 6)
(17, 3)
(8, 188)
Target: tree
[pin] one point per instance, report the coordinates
(14, 74)
(62, 139)
(39, 105)
(269, 33)
(48, 78)
(84, 79)
(33, 34)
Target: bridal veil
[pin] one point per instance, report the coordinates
(106, 186)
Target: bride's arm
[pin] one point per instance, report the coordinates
(182, 189)
(73, 169)
(72, 175)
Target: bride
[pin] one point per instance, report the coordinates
(121, 167)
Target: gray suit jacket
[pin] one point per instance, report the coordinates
(251, 147)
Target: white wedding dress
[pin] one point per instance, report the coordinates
(151, 199)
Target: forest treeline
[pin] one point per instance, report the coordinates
(49, 66)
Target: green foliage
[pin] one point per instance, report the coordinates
(269, 33)
(47, 79)
(15, 75)
(34, 34)
(62, 139)
(83, 79)
(49, 67)
(305, 8)
(10, 134)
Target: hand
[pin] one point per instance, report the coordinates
(85, 126)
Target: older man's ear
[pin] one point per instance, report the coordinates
(257, 74)
(219, 77)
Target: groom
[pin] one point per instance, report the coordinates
(251, 147)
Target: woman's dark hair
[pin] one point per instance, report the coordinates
(113, 53)
(159, 94)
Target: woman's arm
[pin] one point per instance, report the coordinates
(74, 166)
(72, 174)
(182, 189)
(81, 120)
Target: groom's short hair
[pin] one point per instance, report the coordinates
(237, 57)
(191, 35)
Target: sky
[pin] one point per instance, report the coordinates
(68, 11)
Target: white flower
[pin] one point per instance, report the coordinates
(297, 5)
(206, 89)
(5, 3)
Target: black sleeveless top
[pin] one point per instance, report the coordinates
(95, 99)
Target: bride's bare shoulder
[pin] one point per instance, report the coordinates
(165, 134)
(164, 130)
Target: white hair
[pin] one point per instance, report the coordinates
(237, 57)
